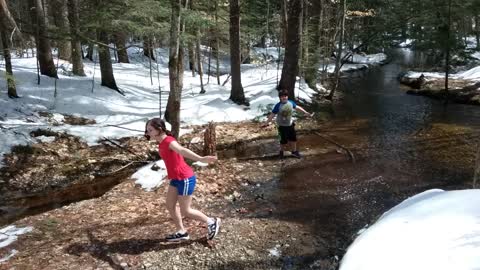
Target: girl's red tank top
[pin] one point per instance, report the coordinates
(177, 168)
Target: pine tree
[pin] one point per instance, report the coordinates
(292, 47)
(44, 50)
(236, 95)
(175, 69)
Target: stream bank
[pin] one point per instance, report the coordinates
(290, 214)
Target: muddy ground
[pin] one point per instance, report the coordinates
(269, 221)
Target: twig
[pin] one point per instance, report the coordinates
(350, 154)
(226, 80)
(124, 128)
(121, 147)
(116, 171)
(125, 160)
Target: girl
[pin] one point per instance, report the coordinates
(182, 180)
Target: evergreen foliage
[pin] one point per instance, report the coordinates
(433, 26)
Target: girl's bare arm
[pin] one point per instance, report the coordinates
(185, 152)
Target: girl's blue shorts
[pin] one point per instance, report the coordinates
(185, 186)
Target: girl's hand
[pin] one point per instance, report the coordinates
(208, 159)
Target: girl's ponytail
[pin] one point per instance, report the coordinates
(158, 124)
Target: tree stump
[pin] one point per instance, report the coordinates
(209, 140)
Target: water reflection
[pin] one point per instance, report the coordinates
(377, 95)
(338, 198)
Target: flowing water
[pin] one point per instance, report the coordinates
(337, 197)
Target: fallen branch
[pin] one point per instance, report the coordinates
(350, 154)
(131, 129)
(121, 147)
(126, 160)
(116, 171)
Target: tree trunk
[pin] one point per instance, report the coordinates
(246, 59)
(303, 36)
(58, 9)
(90, 51)
(327, 36)
(477, 30)
(284, 22)
(106, 69)
(77, 62)
(44, 50)
(338, 59)
(199, 61)
(210, 140)
(236, 95)
(292, 46)
(175, 70)
(6, 19)
(120, 41)
(191, 57)
(312, 63)
(12, 90)
(217, 45)
(447, 50)
(148, 48)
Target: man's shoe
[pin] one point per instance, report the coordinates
(296, 154)
(177, 237)
(213, 229)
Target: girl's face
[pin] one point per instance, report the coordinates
(153, 132)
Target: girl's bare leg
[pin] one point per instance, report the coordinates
(171, 203)
(186, 210)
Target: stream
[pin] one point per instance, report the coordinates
(336, 197)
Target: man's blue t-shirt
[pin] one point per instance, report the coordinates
(284, 112)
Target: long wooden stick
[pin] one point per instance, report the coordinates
(350, 153)
(124, 128)
(121, 147)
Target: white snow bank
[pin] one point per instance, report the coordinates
(432, 230)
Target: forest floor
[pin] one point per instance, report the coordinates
(125, 227)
